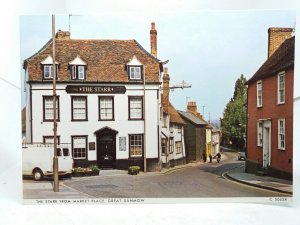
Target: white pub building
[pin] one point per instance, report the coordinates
(108, 100)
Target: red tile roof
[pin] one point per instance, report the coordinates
(282, 58)
(174, 116)
(106, 59)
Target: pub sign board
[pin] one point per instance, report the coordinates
(95, 89)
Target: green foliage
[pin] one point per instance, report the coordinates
(78, 170)
(233, 123)
(94, 168)
(133, 170)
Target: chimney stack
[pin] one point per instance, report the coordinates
(153, 40)
(62, 35)
(165, 96)
(192, 107)
(276, 37)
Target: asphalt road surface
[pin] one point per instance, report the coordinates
(202, 181)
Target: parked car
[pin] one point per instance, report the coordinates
(37, 160)
(241, 156)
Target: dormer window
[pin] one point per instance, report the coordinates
(78, 69)
(135, 72)
(78, 72)
(47, 67)
(135, 69)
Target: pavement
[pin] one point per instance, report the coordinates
(44, 190)
(34, 190)
(265, 182)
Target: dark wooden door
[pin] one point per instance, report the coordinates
(106, 156)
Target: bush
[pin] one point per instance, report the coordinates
(134, 170)
(78, 172)
(95, 170)
(88, 172)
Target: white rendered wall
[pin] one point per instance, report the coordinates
(170, 131)
(67, 128)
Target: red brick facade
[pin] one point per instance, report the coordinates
(270, 121)
(281, 160)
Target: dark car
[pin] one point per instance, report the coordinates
(241, 156)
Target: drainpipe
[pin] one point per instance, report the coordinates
(144, 110)
(31, 132)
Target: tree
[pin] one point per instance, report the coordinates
(233, 123)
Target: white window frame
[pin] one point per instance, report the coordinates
(84, 153)
(171, 144)
(135, 72)
(136, 141)
(178, 146)
(106, 108)
(76, 110)
(260, 133)
(164, 146)
(136, 113)
(50, 71)
(259, 96)
(77, 72)
(73, 69)
(50, 139)
(281, 74)
(81, 72)
(48, 108)
(281, 134)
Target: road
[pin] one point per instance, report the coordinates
(204, 180)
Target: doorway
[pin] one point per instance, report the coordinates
(106, 147)
(266, 143)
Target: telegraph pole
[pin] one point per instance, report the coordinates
(55, 159)
(186, 104)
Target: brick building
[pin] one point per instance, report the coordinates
(270, 109)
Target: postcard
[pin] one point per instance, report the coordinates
(189, 107)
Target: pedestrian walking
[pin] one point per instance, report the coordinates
(210, 158)
(204, 157)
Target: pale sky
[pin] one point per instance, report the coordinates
(208, 49)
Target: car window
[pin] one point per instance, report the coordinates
(66, 152)
(58, 152)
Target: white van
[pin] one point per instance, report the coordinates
(37, 160)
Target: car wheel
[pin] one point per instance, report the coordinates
(38, 175)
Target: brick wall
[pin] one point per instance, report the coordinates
(276, 37)
(280, 160)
